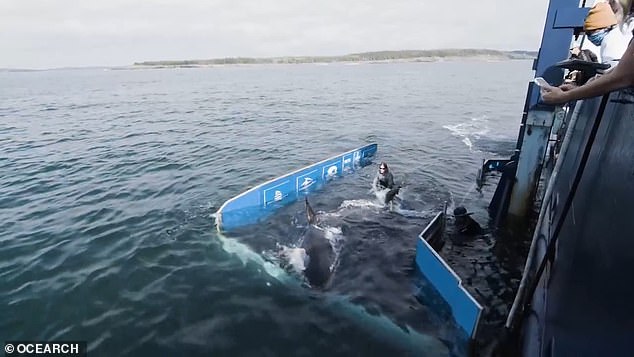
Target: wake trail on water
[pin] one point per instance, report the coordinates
(398, 205)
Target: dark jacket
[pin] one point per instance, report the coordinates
(585, 55)
(467, 225)
(382, 182)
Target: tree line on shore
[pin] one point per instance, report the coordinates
(377, 56)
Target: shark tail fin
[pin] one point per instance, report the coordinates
(310, 214)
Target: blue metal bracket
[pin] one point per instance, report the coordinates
(570, 17)
(490, 165)
(530, 161)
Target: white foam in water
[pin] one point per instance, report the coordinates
(349, 204)
(380, 196)
(395, 206)
(335, 236)
(245, 254)
(475, 128)
(359, 203)
(412, 213)
(296, 258)
(468, 142)
(332, 231)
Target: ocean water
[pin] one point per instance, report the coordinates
(111, 178)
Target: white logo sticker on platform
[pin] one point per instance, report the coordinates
(306, 184)
(277, 192)
(348, 163)
(331, 169)
(307, 180)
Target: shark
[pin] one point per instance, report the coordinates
(377, 326)
(319, 257)
(319, 260)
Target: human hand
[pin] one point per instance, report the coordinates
(568, 86)
(554, 95)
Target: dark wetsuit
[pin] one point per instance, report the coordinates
(382, 182)
(468, 226)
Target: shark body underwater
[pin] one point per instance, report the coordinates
(319, 254)
(319, 265)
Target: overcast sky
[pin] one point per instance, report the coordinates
(59, 33)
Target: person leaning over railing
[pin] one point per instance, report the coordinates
(600, 27)
(577, 77)
(619, 77)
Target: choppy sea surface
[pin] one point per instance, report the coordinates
(111, 178)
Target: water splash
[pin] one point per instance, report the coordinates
(470, 130)
(361, 203)
(246, 255)
(296, 258)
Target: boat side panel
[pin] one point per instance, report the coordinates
(464, 308)
(589, 307)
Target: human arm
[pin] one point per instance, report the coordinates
(592, 56)
(621, 76)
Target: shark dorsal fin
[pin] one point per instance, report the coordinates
(310, 214)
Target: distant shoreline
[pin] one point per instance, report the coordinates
(365, 57)
(377, 57)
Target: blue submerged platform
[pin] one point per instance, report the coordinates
(260, 201)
